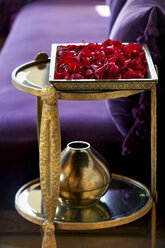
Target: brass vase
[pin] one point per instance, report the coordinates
(85, 176)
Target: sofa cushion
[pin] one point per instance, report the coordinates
(121, 109)
(138, 21)
(141, 21)
(115, 7)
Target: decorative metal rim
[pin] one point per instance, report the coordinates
(30, 88)
(92, 225)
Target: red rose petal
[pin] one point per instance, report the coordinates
(58, 75)
(76, 76)
(111, 59)
(88, 72)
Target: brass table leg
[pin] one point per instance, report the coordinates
(153, 225)
(39, 114)
(153, 164)
(50, 162)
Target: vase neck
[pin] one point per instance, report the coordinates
(79, 145)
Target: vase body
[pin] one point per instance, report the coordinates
(85, 176)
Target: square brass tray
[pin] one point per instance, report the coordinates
(102, 85)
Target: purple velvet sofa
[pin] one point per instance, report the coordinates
(117, 129)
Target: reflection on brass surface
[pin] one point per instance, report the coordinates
(37, 75)
(29, 204)
(95, 213)
(84, 175)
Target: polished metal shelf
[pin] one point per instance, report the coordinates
(126, 200)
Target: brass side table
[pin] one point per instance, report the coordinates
(38, 201)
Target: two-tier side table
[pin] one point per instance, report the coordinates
(38, 201)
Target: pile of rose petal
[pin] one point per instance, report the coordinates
(108, 60)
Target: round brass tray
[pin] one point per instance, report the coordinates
(125, 201)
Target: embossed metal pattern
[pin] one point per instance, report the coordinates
(50, 161)
(100, 85)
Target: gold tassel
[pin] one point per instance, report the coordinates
(49, 236)
(50, 162)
